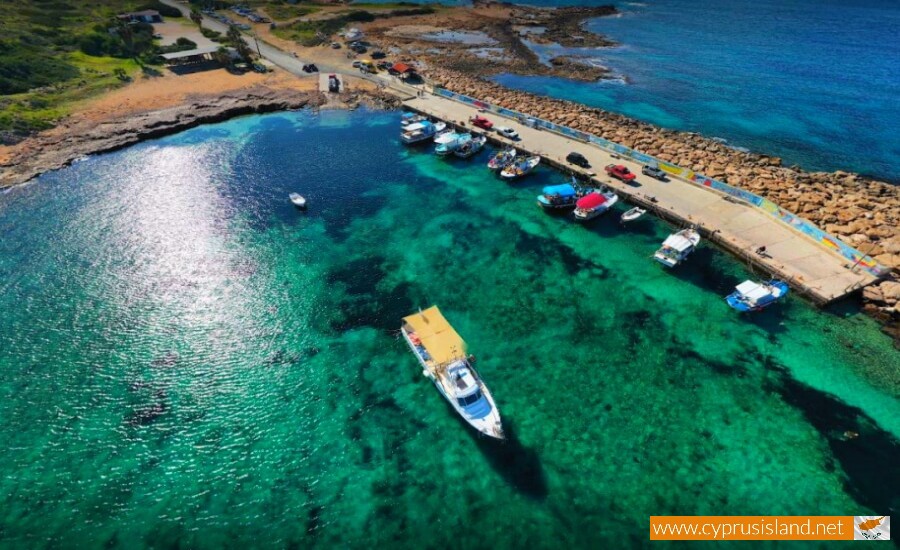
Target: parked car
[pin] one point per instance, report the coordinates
(620, 172)
(653, 172)
(481, 122)
(357, 64)
(378, 55)
(508, 132)
(578, 160)
(336, 45)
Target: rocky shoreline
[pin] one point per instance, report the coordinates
(72, 140)
(861, 211)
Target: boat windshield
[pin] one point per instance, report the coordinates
(469, 399)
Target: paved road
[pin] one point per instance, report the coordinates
(742, 228)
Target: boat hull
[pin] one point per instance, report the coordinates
(487, 425)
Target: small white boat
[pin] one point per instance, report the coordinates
(470, 147)
(521, 168)
(594, 204)
(502, 159)
(632, 214)
(451, 144)
(298, 200)
(677, 247)
(442, 355)
(420, 131)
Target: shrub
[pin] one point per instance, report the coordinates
(163, 9)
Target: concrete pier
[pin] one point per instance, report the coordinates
(811, 269)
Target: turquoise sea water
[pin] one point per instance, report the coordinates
(187, 360)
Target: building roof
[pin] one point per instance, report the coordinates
(438, 338)
(148, 13)
(190, 53)
(402, 68)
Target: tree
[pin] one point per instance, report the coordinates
(236, 39)
(197, 17)
(222, 55)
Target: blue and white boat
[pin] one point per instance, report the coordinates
(442, 355)
(556, 197)
(451, 143)
(420, 131)
(411, 118)
(753, 296)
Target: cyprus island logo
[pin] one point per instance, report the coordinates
(871, 527)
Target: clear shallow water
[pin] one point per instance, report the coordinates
(187, 360)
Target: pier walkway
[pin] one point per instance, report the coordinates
(809, 268)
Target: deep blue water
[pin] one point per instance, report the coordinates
(814, 82)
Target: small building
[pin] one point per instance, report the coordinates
(145, 16)
(402, 70)
(188, 57)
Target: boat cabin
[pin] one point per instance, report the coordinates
(464, 384)
(755, 293)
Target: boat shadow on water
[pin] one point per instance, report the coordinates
(518, 465)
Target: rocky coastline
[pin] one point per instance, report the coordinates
(862, 211)
(72, 140)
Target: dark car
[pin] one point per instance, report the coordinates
(653, 172)
(578, 160)
(378, 55)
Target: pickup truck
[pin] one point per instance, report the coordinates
(481, 122)
(620, 172)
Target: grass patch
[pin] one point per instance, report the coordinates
(278, 11)
(43, 71)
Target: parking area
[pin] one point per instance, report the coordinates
(170, 31)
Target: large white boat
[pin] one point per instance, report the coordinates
(470, 147)
(677, 247)
(594, 204)
(420, 131)
(451, 144)
(442, 354)
(520, 168)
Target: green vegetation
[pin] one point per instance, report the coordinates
(57, 52)
(282, 11)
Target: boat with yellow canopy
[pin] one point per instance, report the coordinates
(442, 354)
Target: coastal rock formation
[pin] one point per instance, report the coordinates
(51, 151)
(490, 38)
(863, 212)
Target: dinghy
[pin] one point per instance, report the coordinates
(632, 214)
(298, 200)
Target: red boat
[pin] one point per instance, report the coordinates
(481, 122)
(620, 172)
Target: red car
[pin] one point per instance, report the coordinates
(620, 173)
(481, 122)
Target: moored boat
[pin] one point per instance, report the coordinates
(594, 204)
(753, 296)
(632, 214)
(471, 147)
(442, 354)
(557, 197)
(298, 200)
(420, 131)
(502, 159)
(520, 168)
(411, 118)
(451, 144)
(677, 247)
